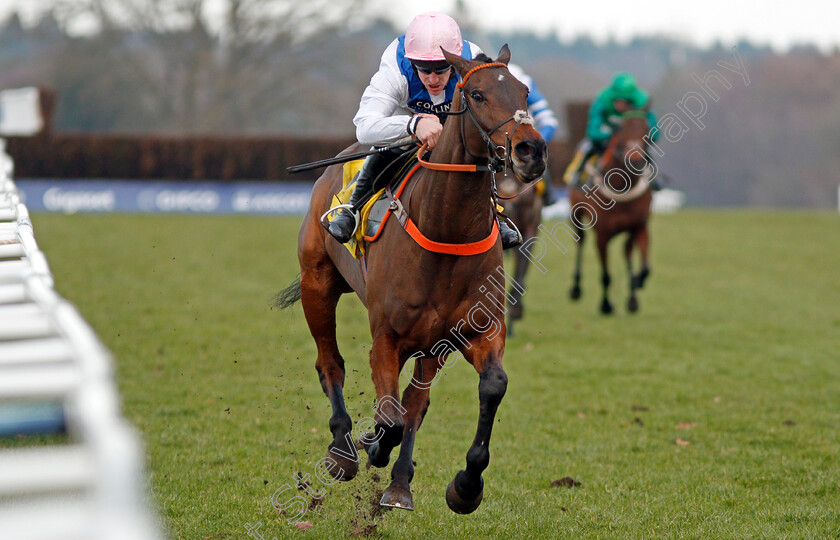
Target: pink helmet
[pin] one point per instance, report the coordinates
(428, 32)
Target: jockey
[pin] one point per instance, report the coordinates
(622, 95)
(544, 120)
(408, 96)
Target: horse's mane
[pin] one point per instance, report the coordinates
(483, 58)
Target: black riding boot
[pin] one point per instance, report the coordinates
(342, 227)
(510, 236)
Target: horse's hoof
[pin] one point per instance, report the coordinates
(344, 469)
(397, 497)
(606, 307)
(633, 305)
(376, 457)
(574, 293)
(458, 504)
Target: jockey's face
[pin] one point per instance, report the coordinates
(621, 105)
(434, 82)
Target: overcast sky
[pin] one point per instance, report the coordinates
(773, 22)
(779, 23)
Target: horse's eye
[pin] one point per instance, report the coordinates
(477, 96)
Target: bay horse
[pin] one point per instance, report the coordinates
(618, 201)
(425, 302)
(525, 209)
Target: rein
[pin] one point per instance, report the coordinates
(611, 146)
(610, 152)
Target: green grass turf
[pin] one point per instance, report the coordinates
(734, 352)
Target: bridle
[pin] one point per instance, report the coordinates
(499, 156)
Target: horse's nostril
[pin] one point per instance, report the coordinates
(529, 150)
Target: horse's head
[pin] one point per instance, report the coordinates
(628, 143)
(500, 128)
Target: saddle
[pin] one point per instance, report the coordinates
(374, 213)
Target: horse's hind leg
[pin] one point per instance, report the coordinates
(320, 287)
(464, 493)
(415, 402)
(389, 421)
(643, 241)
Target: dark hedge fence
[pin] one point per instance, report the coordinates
(155, 157)
(159, 157)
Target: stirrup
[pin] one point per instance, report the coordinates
(509, 222)
(355, 213)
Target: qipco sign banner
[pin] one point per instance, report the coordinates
(91, 196)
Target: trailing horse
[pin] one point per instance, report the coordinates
(525, 209)
(423, 283)
(617, 201)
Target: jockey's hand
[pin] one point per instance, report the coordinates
(428, 129)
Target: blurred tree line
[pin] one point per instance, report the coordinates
(258, 67)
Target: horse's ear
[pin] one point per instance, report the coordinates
(458, 61)
(504, 54)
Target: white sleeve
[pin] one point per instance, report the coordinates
(382, 117)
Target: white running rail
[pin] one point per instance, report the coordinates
(56, 374)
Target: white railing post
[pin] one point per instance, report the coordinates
(56, 374)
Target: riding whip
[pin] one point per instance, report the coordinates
(348, 157)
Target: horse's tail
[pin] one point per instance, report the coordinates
(288, 296)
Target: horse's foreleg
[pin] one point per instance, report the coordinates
(632, 302)
(389, 421)
(464, 493)
(575, 292)
(606, 306)
(643, 242)
(514, 302)
(415, 402)
(320, 290)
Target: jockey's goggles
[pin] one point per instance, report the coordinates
(428, 70)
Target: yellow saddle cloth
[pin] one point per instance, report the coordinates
(585, 176)
(356, 244)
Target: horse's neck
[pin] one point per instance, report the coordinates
(453, 207)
